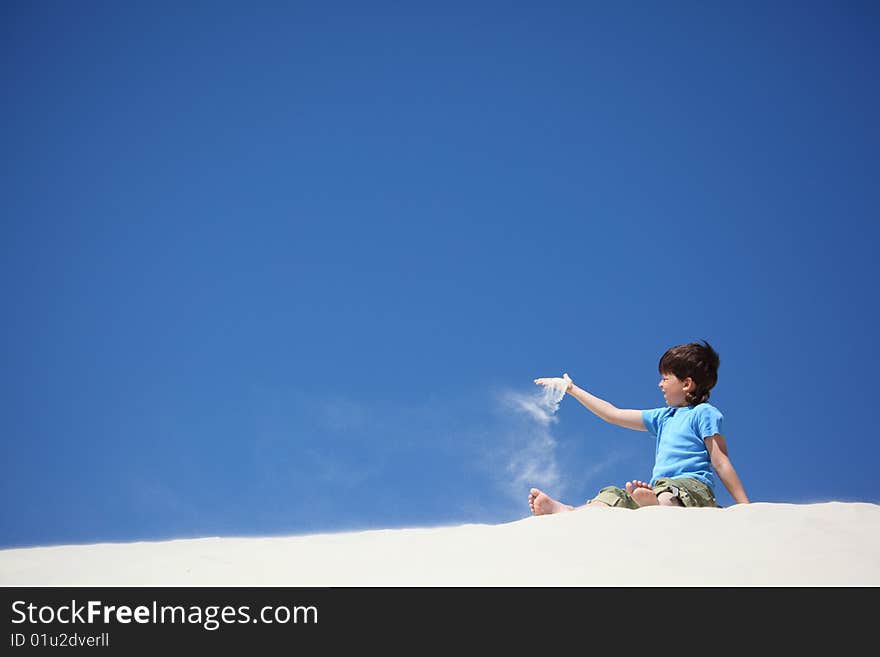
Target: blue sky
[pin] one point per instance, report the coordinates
(280, 268)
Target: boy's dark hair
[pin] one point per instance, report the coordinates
(699, 362)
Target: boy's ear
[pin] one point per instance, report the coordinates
(689, 383)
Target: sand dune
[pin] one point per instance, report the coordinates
(823, 544)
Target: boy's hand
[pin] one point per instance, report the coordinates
(565, 383)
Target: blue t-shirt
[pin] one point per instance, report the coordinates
(679, 449)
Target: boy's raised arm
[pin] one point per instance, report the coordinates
(627, 418)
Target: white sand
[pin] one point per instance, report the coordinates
(823, 544)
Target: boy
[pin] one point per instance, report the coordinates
(688, 438)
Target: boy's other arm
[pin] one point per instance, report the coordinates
(622, 417)
(717, 446)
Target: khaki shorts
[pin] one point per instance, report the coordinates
(691, 492)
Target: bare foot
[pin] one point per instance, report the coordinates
(541, 504)
(641, 492)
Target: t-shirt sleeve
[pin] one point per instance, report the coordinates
(709, 421)
(651, 419)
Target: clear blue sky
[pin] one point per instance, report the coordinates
(278, 268)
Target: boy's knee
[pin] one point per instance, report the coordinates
(668, 499)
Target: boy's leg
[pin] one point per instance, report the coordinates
(542, 504)
(684, 492)
(645, 495)
(614, 496)
(666, 493)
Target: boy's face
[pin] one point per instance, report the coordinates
(675, 390)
